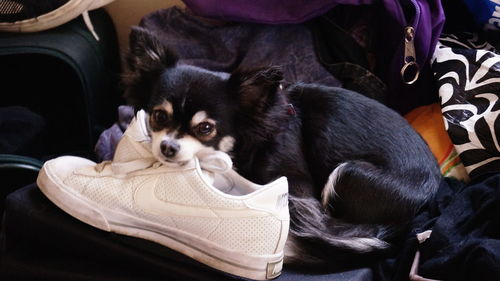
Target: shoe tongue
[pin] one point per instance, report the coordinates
(138, 127)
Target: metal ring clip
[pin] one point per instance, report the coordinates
(405, 70)
(410, 70)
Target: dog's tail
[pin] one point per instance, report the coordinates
(331, 241)
(357, 191)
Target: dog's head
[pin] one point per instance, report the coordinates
(191, 109)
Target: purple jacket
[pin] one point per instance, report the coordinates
(425, 16)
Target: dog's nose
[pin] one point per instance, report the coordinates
(169, 148)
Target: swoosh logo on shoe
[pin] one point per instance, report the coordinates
(145, 198)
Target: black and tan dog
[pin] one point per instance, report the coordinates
(357, 171)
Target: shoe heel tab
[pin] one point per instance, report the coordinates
(273, 199)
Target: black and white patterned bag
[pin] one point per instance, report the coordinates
(467, 71)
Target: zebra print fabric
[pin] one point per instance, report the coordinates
(467, 71)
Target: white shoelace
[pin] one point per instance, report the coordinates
(90, 26)
(213, 161)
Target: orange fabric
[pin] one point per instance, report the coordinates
(428, 122)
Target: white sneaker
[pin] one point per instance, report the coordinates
(32, 16)
(241, 231)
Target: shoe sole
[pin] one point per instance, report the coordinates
(258, 267)
(61, 15)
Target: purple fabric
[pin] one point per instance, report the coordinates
(426, 16)
(109, 138)
(266, 11)
(428, 24)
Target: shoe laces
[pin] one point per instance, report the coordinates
(90, 26)
(99, 167)
(214, 161)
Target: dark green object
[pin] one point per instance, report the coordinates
(66, 76)
(16, 171)
(69, 79)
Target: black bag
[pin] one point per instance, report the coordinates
(67, 77)
(58, 93)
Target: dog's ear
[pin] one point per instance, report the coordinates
(256, 87)
(147, 53)
(147, 57)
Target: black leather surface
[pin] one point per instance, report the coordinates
(38, 241)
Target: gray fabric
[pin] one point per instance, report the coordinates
(226, 47)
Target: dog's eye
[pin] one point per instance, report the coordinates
(160, 116)
(204, 128)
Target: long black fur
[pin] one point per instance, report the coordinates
(387, 170)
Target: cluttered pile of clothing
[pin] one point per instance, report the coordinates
(433, 63)
(453, 104)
